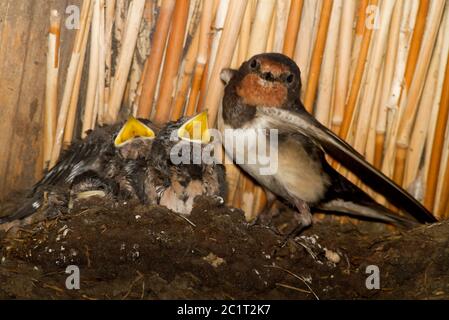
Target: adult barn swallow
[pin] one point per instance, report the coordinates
(103, 164)
(179, 173)
(264, 94)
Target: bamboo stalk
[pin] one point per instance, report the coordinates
(260, 202)
(305, 40)
(70, 79)
(324, 102)
(315, 65)
(224, 55)
(393, 104)
(109, 24)
(416, 88)
(343, 63)
(245, 31)
(119, 25)
(218, 7)
(135, 15)
(282, 13)
(261, 27)
(70, 123)
(374, 70)
(359, 33)
(138, 67)
(272, 29)
(291, 33)
(101, 65)
(371, 141)
(203, 87)
(151, 74)
(439, 210)
(357, 81)
(423, 129)
(418, 35)
(51, 88)
(201, 59)
(434, 115)
(390, 60)
(443, 212)
(238, 195)
(218, 26)
(186, 79)
(390, 161)
(437, 148)
(92, 84)
(146, 36)
(172, 61)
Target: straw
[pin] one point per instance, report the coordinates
(356, 81)
(92, 84)
(374, 70)
(201, 59)
(151, 74)
(437, 149)
(282, 16)
(70, 80)
(129, 41)
(172, 61)
(394, 111)
(416, 88)
(51, 88)
(189, 65)
(291, 33)
(423, 130)
(224, 55)
(387, 80)
(343, 63)
(317, 56)
(261, 27)
(323, 110)
(71, 117)
(306, 37)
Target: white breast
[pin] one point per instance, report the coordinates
(296, 175)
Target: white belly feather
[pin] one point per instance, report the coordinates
(297, 175)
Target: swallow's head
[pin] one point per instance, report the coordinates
(135, 139)
(268, 79)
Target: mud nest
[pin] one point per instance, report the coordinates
(134, 252)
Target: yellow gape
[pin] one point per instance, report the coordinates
(196, 129)
(133, 129)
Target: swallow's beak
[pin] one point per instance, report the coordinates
(133, 129)
(196, 129)
(226, 75)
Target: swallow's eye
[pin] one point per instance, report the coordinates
(254, 64)
(290, 78)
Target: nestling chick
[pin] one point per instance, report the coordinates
(103, 164)
(179, 171)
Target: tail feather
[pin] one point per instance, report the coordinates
(370, 211)
(30, 206)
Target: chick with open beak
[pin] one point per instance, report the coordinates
(183, 165)
(104, 164)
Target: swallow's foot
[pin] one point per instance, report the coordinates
(304, 219)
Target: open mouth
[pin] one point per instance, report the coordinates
(196, 129)
(133, 129)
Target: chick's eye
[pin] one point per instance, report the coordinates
(290, 78)
(254, 64)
